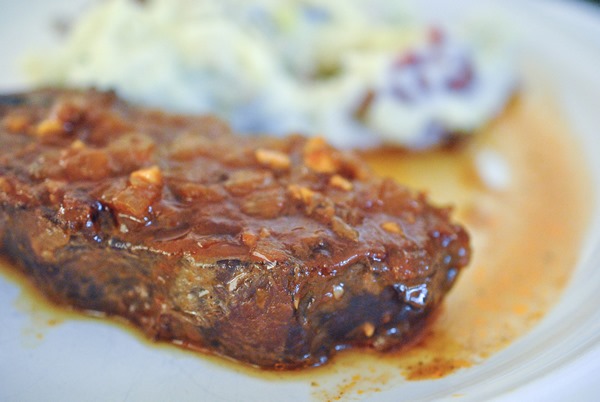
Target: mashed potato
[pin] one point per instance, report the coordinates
(359, 72)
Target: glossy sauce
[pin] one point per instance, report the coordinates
(525, 237)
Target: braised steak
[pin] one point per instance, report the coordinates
(272, 251)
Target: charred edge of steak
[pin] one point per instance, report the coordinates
(273, 252)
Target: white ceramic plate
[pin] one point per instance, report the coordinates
(559, 360)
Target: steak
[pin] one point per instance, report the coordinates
(275, 252)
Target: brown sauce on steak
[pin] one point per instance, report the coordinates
(275, 252)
